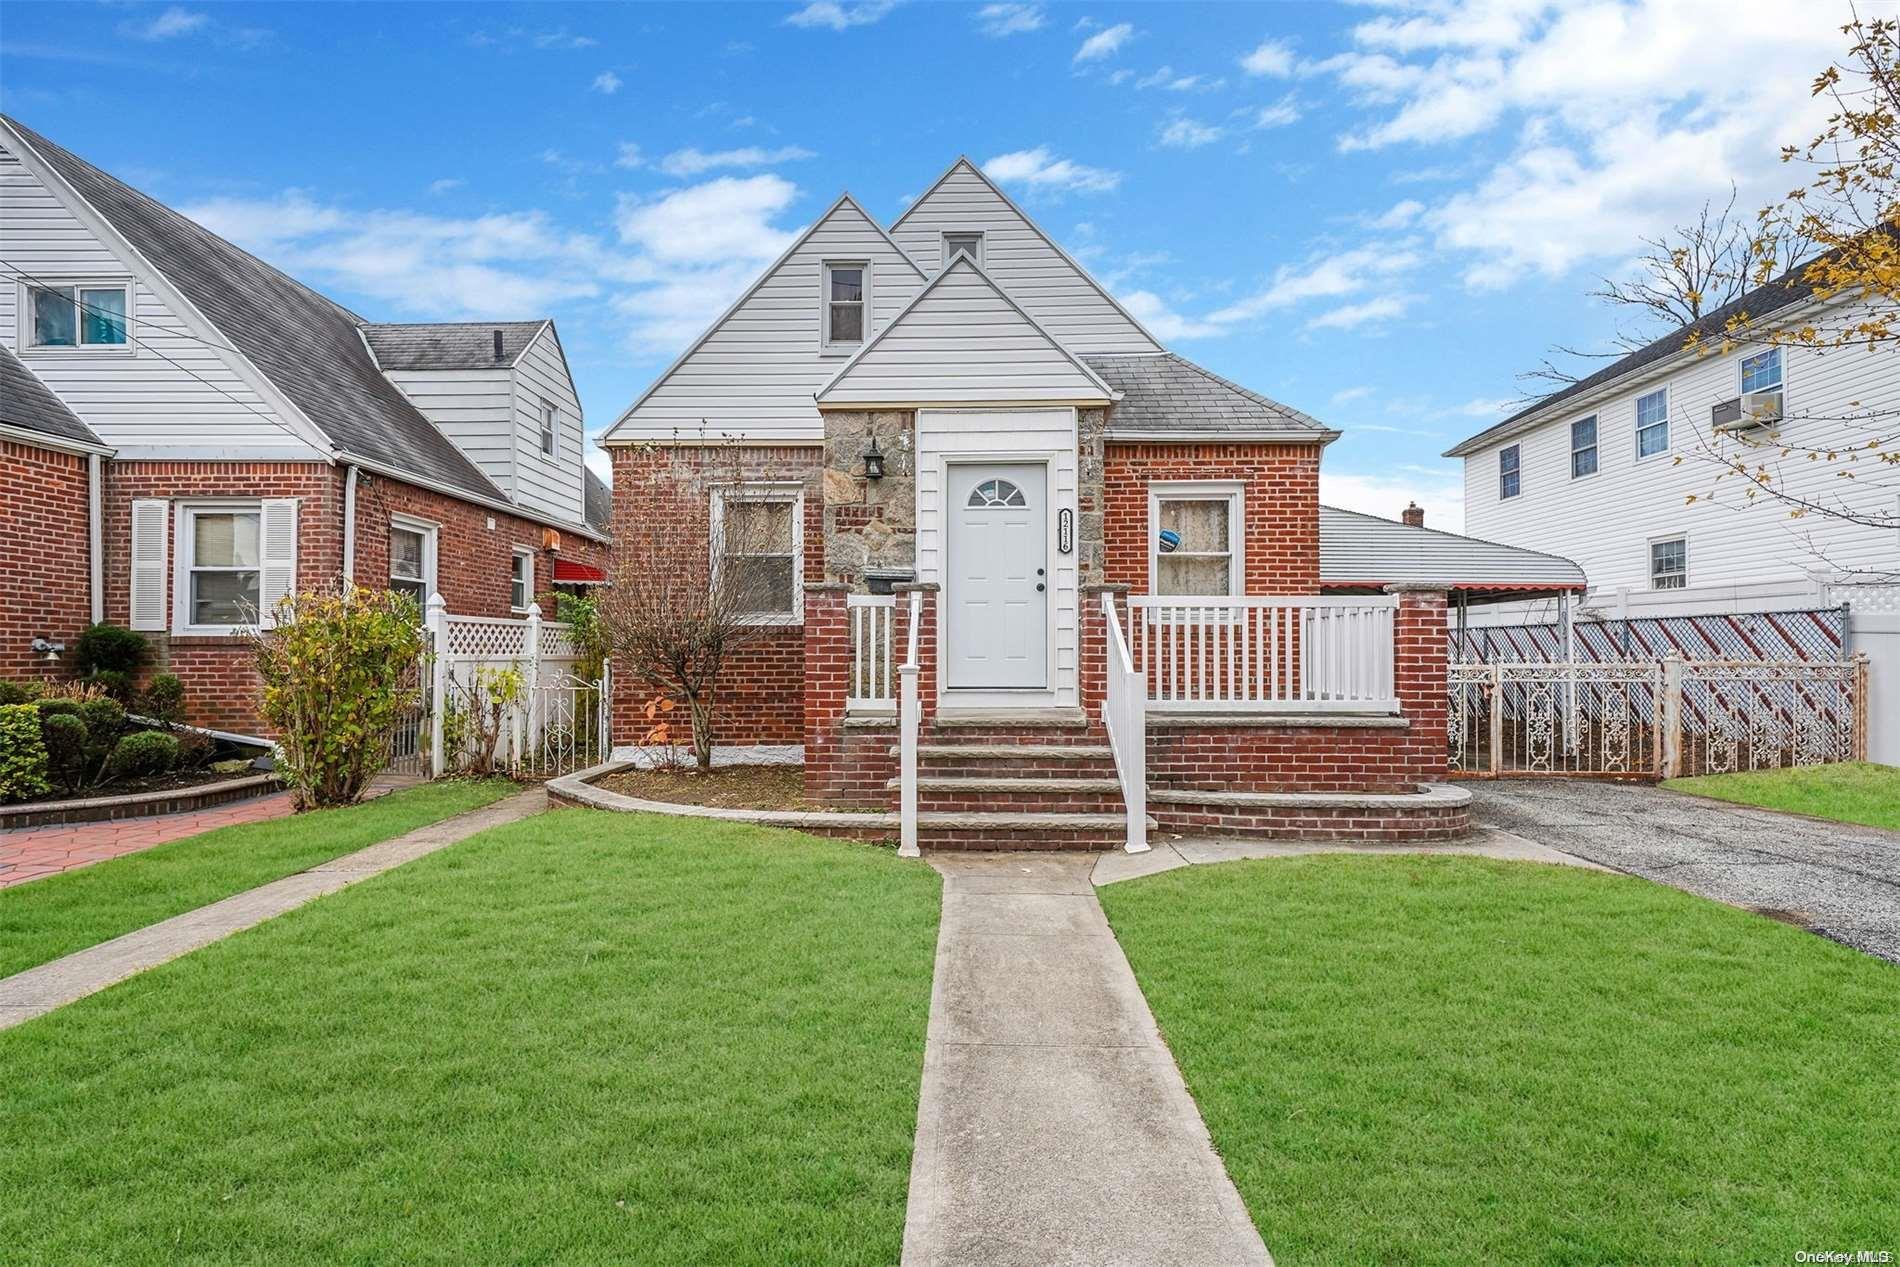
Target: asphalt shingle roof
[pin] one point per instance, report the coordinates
(307, 345)
(597, 497)
(1360, 549)
(1165, 394)
(449, 345)
(31, 405)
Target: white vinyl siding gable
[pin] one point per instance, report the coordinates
(474, 409)
(550, 484)
(1051, 287)
(1606, 523)
(170, 386)
(753, 374)
(962, 342)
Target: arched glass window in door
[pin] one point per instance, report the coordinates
(992, 493)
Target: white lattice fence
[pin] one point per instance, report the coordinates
(1659, 719)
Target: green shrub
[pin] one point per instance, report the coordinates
(18, 692)
(109, 649)
(22, 753)
(164, 699)
(67, 746)
(338, 670)
(104, 718)
(114, 683)
(57, 707)
(143, 752)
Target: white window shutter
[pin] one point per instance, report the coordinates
(151, 518)
(280, 554)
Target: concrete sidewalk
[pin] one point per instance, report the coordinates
(1054, 1126)
(38, 991)
(1166, 855)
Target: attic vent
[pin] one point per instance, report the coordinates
(497, 345)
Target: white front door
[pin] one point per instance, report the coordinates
(996, 596)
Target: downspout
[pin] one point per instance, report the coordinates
(349, 526)
(95, 534)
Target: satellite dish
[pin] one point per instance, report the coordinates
(1170, 540)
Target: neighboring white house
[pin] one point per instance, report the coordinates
(1618, 473)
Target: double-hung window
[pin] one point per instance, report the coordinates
(521, 579)
(1508, 485)
(1762, 371)
(1196, 542)
(847, 288)
(79, 315)
(223, 565)
(1652, 423)
(1583, 447)
(970, 244)
(412, 559)
(1669, 563)
(550, 421)
(758, 539)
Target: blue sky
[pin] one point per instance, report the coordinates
(1379, 212)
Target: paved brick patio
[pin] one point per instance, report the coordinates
(40, 851)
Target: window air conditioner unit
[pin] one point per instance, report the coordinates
(1747, 412)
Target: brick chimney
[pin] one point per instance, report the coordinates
(1413, 514)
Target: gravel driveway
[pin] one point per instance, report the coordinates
(1840, 880)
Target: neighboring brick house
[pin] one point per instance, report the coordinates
(244, 436)
(954, 414)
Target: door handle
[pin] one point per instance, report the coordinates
(1038, 587)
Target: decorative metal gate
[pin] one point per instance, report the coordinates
(1658, 719)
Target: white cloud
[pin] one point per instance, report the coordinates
(1039, 170)
(1330, 275)
(1400, 215)
(692, 162)
(169, 25)
(1104, 43)
(1280, 114)
(608, 82)
(839, 17)
(1439, 490)
(447, 185)
(559, 39)
(629, 156)
(1189, 134)
(1000, 20)
(1166, 324)
(1350, 394)
(727, 219)
(1272, 58)
(1352, 316)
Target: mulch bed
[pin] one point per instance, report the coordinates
(174, 781)
(779, 787)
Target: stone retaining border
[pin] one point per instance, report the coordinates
(578, 789)
(98, 809)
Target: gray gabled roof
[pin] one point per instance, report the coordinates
(449, 345)
(597, 497)
(306, 345)
(29, 404)
(1165, 396)
(1365, 551)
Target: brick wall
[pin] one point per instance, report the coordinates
(663, 518)
(1281, 533)
(46, 549)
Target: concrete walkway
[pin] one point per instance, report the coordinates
(37, 991)
(1483, 842)
(1054, 1127)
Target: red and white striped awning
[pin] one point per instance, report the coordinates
(568, 572)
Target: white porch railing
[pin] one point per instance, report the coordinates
(1124, 714)
(909, 719)
(1282, 654)
(871, 618)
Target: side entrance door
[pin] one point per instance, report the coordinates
(997, 594)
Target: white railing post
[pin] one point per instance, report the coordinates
(1125, 717)
(437, 624)
(1672, 716)
(908, 720)
(533, 721)
(603, 727)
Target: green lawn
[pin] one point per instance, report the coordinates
(44, 919)
(580, 1038)
(1853, 792)
(1449, 1060)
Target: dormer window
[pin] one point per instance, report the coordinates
(846, 286)
(970, 244)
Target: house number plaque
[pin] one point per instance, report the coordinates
(1065, 531)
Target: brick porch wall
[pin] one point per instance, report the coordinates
(46, 547)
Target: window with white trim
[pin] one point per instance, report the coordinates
(1508, 478)
(550, 421)
(1195, 539)
(1669, 563)
(847, 289)
(521, 579)
(412, 546)
(1762, 371)
(758, 550)
(1652, 423)
(970, 244)
(1583, 447)
(80, 315)
(222, 565)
